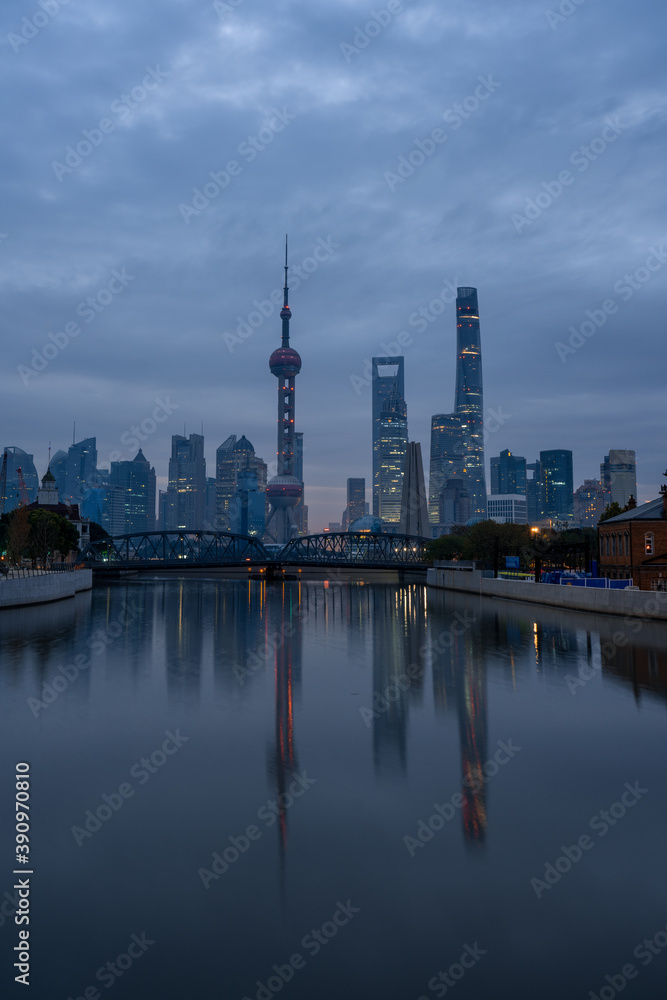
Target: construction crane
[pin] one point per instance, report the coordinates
(3, 482)
(23, 489)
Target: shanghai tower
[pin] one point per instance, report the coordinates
(469, 398)
(285, 489)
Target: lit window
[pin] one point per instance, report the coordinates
(648, 543)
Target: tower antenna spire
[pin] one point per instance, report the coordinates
(286, 312)
(285, 290)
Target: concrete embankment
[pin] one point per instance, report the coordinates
(40, 588)
(632, 603)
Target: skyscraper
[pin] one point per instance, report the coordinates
(80, 469)
(300, 512)
(414, 514)
(534, 494)
(356, 502)
(14, 459)
(136, 481)
(285, 490)
(469, 404)
(392, 448)
(557, 484)
(447, 445)
(618, 475)
(508, 474)
(388, 376)
(590, 501)
(186, 495)
(233, 457)
(248, 512)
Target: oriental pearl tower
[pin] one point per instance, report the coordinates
(284, 490)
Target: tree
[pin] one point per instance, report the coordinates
(50, 533)
(68, 538)
(612, 510)
(446, 547)
(17, 535)
(97, 532)
(488, 539)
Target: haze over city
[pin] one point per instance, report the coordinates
(322, 119)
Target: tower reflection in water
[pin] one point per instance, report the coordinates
(459, 681)
(285, 628)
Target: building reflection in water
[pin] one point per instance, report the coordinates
(399, 641)
(285, 626)
(182, 609)
(242, 649)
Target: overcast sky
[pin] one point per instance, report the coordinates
(544, 188)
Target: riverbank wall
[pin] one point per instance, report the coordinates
(43, 587)
(625, 603)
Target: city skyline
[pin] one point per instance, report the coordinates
(182, 284)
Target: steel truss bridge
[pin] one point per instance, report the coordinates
(154, 550)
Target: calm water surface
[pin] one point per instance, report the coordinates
(272, 759)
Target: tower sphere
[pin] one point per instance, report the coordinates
(284, 491)
(285, 362)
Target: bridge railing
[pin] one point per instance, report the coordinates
(356, 547)
(174, 548)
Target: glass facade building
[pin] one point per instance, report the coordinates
(392, 448)
(80, 470)
(186, 503)
(557, 485)
(618, 475)
(356, 502)
(136, 481)
(508, 474)
(469, 401)
(13, 459)
(447, 448)
(232, 457)
(388, 377)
